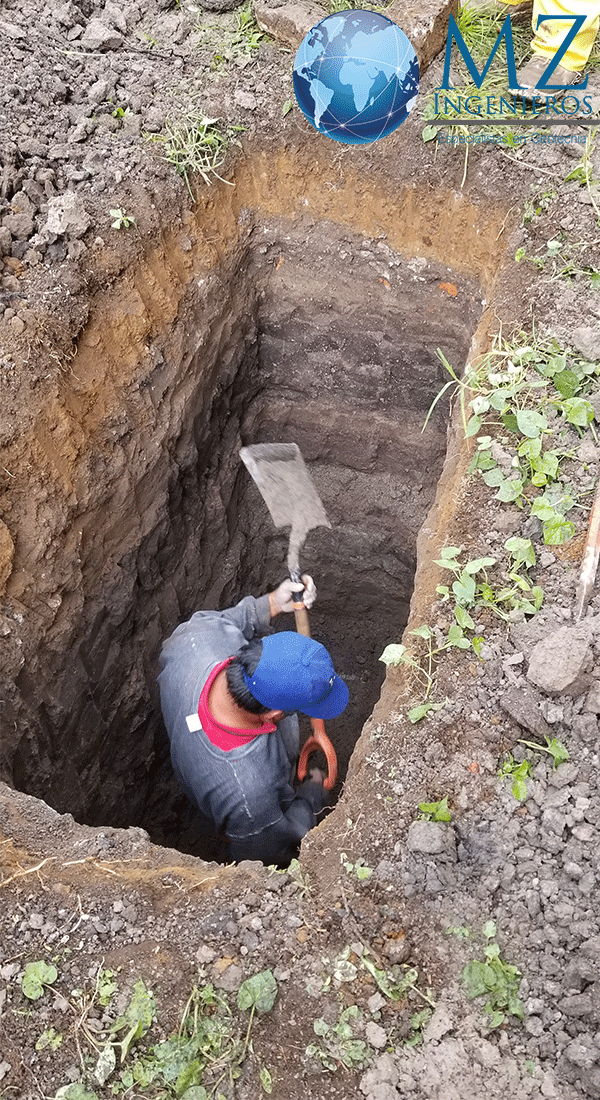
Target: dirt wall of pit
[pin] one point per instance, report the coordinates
(311, 313)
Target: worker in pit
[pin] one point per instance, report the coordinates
(229, 691)
(547, 38)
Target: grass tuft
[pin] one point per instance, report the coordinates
(194, 143)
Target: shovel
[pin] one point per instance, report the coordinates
(288, 491)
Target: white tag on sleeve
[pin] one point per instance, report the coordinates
(193, 722)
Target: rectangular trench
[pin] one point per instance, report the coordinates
(303, 330)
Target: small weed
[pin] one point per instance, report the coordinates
(558, 261)
(105, 986)
(149, 40)
(339, 1045)
(461, 931)
(135, 1021)
(359, 869)
(472, 589)
(299, 877)
(532, 391)
(418, 1022)
(435, 811)
(584, 175)
(50, 1038)
(36, 977)
(555, 748)
(521, 551)
(538, 204)
(121, 219)
(396, 982)
(494, 979)
(518, 773)
(206, 1052)
(240, 39)
(397, 654)
(76, 1091)
(194, 143)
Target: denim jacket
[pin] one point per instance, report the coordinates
(247, 794)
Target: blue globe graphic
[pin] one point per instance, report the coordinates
(356, 76)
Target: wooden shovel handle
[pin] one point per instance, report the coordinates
(301, 617)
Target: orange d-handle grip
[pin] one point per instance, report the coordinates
(319, 740)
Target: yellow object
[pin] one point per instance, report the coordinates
(550, 35)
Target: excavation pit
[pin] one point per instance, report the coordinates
(247, 325)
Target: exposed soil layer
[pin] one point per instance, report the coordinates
(305, 303)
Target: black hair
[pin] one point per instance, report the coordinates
(245, 661)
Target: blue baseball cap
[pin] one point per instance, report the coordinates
(297, 673)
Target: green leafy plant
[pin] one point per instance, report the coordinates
(583, 173)
(461, 931)
(121, 219)
(518, 773)
(397, 654)
(550, 507)
(472, 589)
(136, 1019)
(105, 986)
(521, 551)
(559, 261)
(36, 977)
(494, 979)
(532, 390)
(50, 1038)
(421, 710)
(339, 1044)
(76, 1091)
(266, 1080)
(554, 747)
(298, 876)
(418, 1022)
(538, 204)
(211, 1044)
(435, 811)
(205, 1039)
(396, 982)
(240, 39)
(359, 869)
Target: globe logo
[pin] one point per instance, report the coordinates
(356, 76)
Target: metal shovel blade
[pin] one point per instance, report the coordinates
(288, 491)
